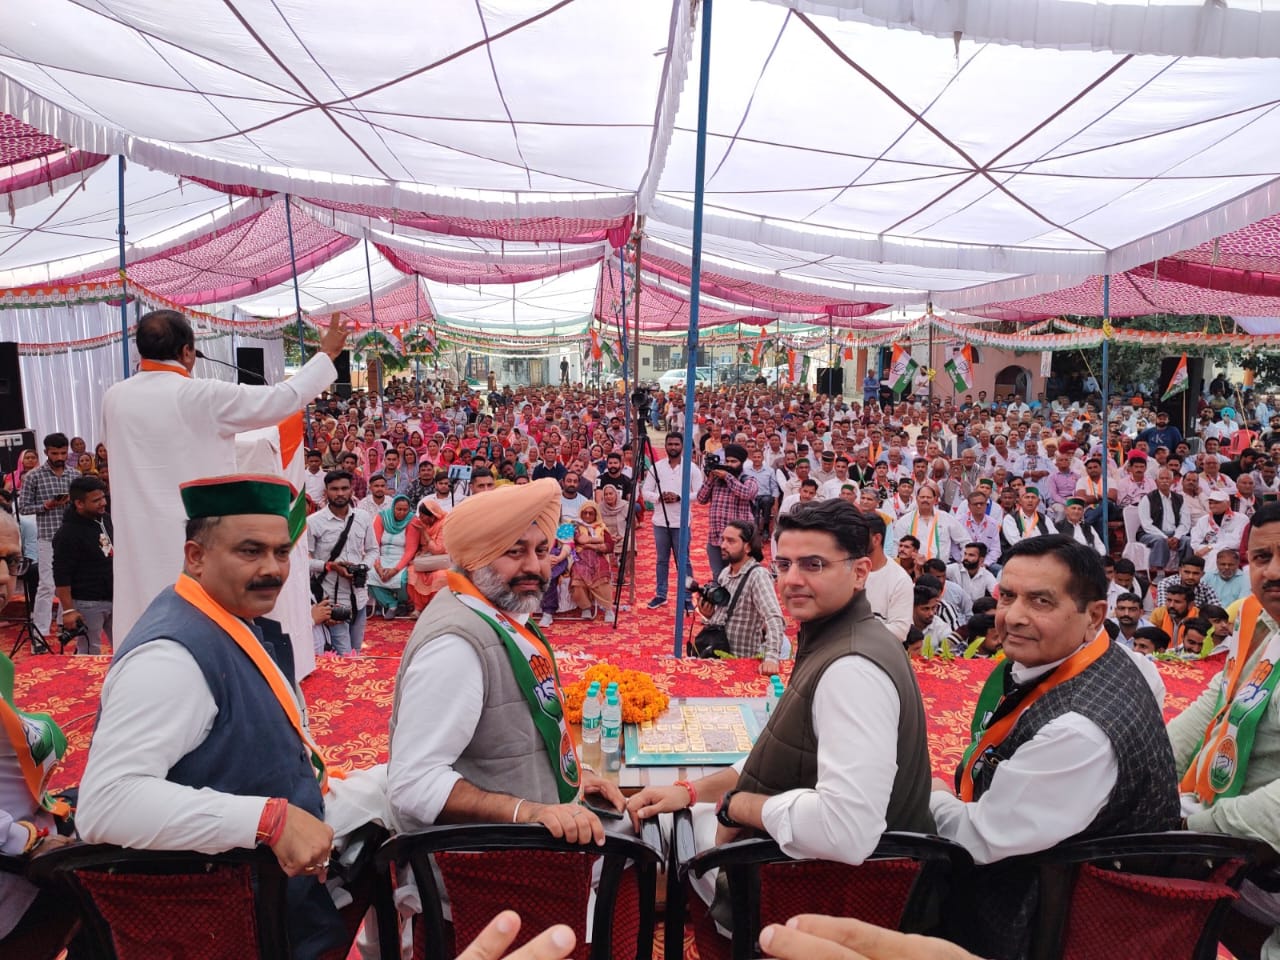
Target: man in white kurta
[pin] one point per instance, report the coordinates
(163, 428)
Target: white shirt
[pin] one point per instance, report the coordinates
(1168, 527)
(1012, 535)
(935, 535)
(891, 594)
(323, 530)
(201, 420)
(1216, 535)
(668, 477)
(372, 507)
(313, 485)
(982, 583)
(831, 489)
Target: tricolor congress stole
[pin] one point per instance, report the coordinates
(37, 741)
(1222, 756)
(534, 666)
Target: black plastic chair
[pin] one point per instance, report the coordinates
(1161, 895)
(137, 905)
(489, 867)
(50, 942)
(901, 886)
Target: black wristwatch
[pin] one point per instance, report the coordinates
(722, 811)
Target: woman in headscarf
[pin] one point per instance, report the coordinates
(429, 569)
(100, 455)
(613, 513)
(591, 577)
(86, 466)
(387, 579)
(28, 461)
(332, 451)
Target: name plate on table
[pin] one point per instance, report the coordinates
(697, 731)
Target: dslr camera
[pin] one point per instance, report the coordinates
(67, 637)
(711, 461)
(712, 592)
(340, 613)
(359, 576)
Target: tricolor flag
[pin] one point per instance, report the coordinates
(960, 368)
(1178, 382)
(607, 349)
(596, 350)
(396, 339)
(757, 353)
(848, 346)
(902, 370)
(793, 365)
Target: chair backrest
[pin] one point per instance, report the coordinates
(899, 886)
(138, 905)
(1132, 521)
(1157, 895)
(486, 868)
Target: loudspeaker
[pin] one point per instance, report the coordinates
(1195, 384)
(13, 414)
(11, 447)
(252, 364)
(831, 381)
(342, 383)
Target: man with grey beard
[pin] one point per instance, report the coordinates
(478, 732)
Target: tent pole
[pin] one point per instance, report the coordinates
(417, 358)
(691, 349)
(297, 301)
(373, 317)
(124, 282)
(638, 237)
(929, 411)
(831, 362)
(1106, 402)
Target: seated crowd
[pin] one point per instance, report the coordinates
(887, 529)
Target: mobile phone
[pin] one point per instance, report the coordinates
(600, 808)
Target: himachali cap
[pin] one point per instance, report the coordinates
(986, 482)
(1029, 489)
(1074, 502)
(237, 494)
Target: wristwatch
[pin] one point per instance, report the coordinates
(722, 811)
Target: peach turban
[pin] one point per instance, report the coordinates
(482, 528)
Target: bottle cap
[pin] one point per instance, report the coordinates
(594, 689)
(774, 678)
(612, 698)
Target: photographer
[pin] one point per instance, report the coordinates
(746, 607)
(342, 546)
(44, 496)
(731, 496)
(82, 565)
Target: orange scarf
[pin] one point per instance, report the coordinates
(157, 366)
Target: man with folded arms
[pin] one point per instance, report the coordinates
(1067, 745)
(201, 744)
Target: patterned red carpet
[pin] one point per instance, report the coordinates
(350, 701)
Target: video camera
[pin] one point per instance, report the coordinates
(712, 592)
(711, 461)
(642, 403)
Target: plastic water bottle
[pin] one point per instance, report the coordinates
(611, 731)
(775, 682)
(591, 714)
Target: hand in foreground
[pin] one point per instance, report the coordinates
(334, 338)
(769, 666)
(554, 943)
(571, 822)
(943, 785)
(304, 847)
(814, 937)
(652, 801)
(593, 783)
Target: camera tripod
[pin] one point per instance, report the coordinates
(640, 405)
(28, 631)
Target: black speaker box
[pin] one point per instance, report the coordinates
(1195, 384)
(342, 383)
(252, 363)
(831, 381)
(13, 414)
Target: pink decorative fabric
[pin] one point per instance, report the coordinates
(244, 258)
(393, 308)
(469, 272)
(1255, 247)
(748, 294)
(544, 229)
(661, 310)
(20, 142)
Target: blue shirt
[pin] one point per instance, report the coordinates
(1228, 591)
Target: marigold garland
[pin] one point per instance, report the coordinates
(640, 696)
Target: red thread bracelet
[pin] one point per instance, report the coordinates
(693, 792)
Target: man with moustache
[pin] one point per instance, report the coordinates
(843, 757)
(1227, 743)
(730, 495)
(506, 755)
(340, 539)
(200, 743)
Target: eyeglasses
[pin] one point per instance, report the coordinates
(808, 565)
(17, 565)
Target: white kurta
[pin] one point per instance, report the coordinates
(163, 429)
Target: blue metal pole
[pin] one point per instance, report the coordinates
(297, 304)
(691, 348)
(124, 283)
(622, 345)
(1106, 402)
(373, 317)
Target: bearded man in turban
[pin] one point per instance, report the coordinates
(478, 732)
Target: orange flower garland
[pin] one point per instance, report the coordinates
(640, 696)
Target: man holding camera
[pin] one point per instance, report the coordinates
(45, 495)
(342, 546)
(731, 496)
(661, 488)
(743, 603)
(82, 565)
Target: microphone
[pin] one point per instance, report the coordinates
(247, 372)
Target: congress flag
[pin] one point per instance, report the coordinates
(1178, 382)
(596, 349)
(902, 370)
(758, 351)
(960, 368)
(848, 346)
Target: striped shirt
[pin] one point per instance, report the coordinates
(39, 486)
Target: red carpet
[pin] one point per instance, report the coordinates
(350, 701)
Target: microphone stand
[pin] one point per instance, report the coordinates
(243, 370)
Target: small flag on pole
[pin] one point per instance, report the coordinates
(596, 349)
(848, 346)
(758, 351)
(960, 368)
(902, 370)
(1178, 382)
